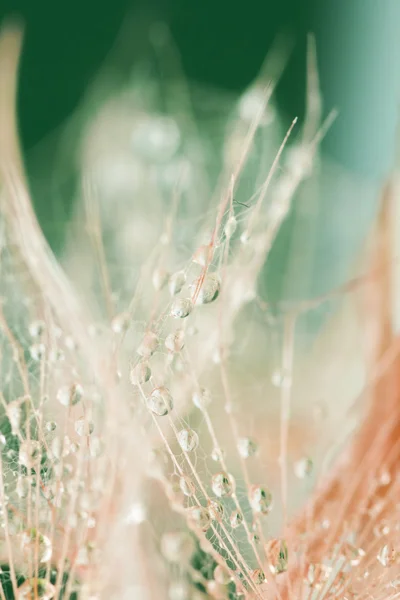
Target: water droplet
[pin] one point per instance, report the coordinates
(387, 555)
(160, 402)
(33, 541)
(174, 342)
(51, 426)
(260, 499)
(181, 308)
(281, 378)
(217, 454)
(351, 553)
(186, 486)
(258, 576)
(202, 398)
(247, 447)
(216, 510)
(36, 329)
(277, 554)
(70, 395)
(303, 468)
(36, 589)
(236, 519)
(37, 351)
(222, 484)
(120, 323)
(177, 547)
(176, 282)
(140, 373)
(202, 256)
(199, 517)
(188, 439)
(230, 227)
(208, 289)
(148, 345)
(156, 138)
(84, 427)
(29, 453)
(159, 279)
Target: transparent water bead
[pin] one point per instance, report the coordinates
(235, 519)
(36, 328)
(199, 517)
(203, 256)
(120, 323)
(160, 401)
(188, 439)
(176, 282)
(258, 576)
(186, 486)
(222, 484)
(230, 227)
(303, 468)
(70, 395)
(148, 345)
(159, 279)
(29, 453)
(33, 541)
(387, 555)
(36, 589)
(37, 351)
(216, 510)
(156, 138)
(281, 378)
(181, 308)
(84, 427)
(217, 454)
(247, 447)
(260, 499)
(177, 547)
(276, 551)
(140, 373)
(51, 426)
(174, 342)
(202, 398)
(207, 289)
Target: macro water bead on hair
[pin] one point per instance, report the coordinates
(260, 499)
(84, 427)
(247, 447)
(188, 439)
(209, 289)
(174, 342)
(202, 398)
(199, 517)
(70, 395)
(160, 401)
(140, 373)
(148, 345)
(181, 308)
(176, 282)
(222, 484)
(186, 486)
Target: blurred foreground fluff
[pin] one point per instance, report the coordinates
(166, 430)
